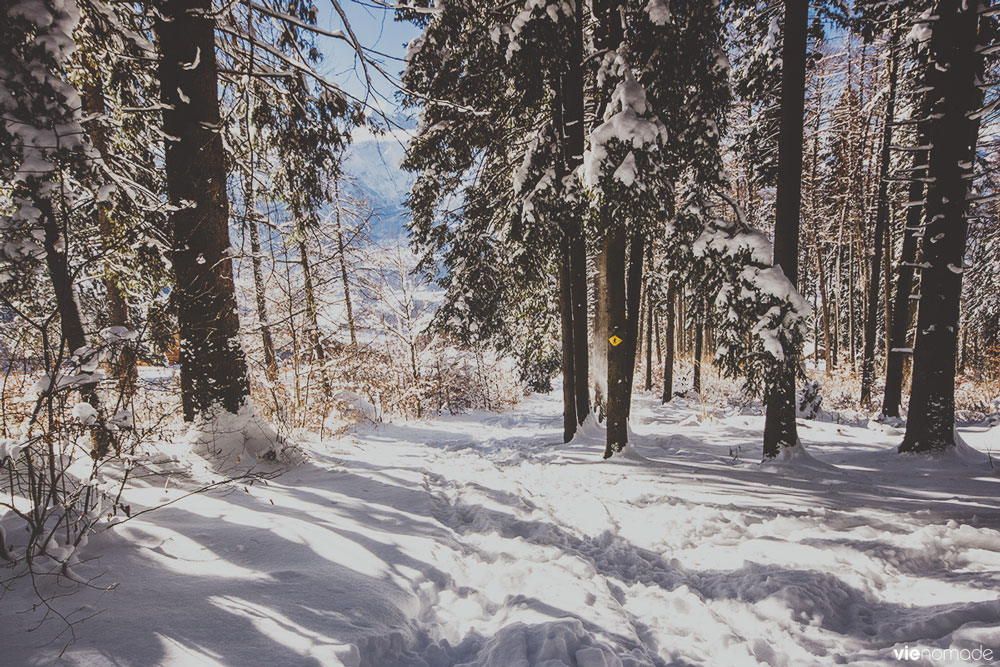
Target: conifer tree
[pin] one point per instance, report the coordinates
(954, 69)
(779, 426)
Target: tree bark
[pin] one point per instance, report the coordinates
(649, 342)
(343, 267)
(599, 356)
(668, 343)
(899, 349)
(779, 424)
(821, 277)
(266, 338)
(699, 342)
(633, 305)
(618, 362)
(954, 68)
(879, 233)
(568, 355)
(573, 118)
(213, 366)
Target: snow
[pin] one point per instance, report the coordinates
(482, 540)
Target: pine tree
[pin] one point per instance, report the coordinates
(779, 426)
(954, 68)
(213, 366)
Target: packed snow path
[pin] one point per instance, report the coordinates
(483, 540)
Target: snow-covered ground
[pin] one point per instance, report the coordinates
(483, 540)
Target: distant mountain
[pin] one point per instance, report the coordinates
(372, 171)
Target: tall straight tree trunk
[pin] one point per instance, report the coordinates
(568, 355)
(257, 268)
(879, 233)
(618, 361)
(657, 338)
(839, 288)
(953, 71)
(609, 33)
(633, 315)
(668, 343)
(343, 266)
(779, 424)
(899, 349)
(851, 306)
(821, 276)
(573, 117)
(124, 367)
(256, 263)
(213, 366)
(699, 345)
(649, 342)
(599, 356)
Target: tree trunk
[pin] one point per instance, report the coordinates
(581, 361)
(823, 304)
(343, 266)
(573, 118)
(899, 349)
(266, 338)
(599, 356)
(70, 321)
(649, 342)
(213, 366)
(953, 71)
(838, 289)
(312, 308)
(699, 344)
(568, 356)
(618, 361)
(633, 316)
(879, 233)
(779, 423)
(668, 353)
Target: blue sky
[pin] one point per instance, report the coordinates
(376, 30)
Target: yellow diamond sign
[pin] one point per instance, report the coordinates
(615, 340)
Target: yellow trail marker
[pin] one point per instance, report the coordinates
(615, 341)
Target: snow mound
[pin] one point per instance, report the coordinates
(562, 643)
(226, 439)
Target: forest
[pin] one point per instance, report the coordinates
(415, 321)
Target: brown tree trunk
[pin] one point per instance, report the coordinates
(266, 339)
(599, 354)
(343, 266)
(823, 304)
(953, 71)
(633, 316)
(779, 424)
(568, 356)
(879, 233)
(649, 342)
(618, 361)
(213, 366)
(668, 353)
(699, 343)
(899, 348)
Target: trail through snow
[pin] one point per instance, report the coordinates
(482, 540)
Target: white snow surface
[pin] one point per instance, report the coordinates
(482, 540)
